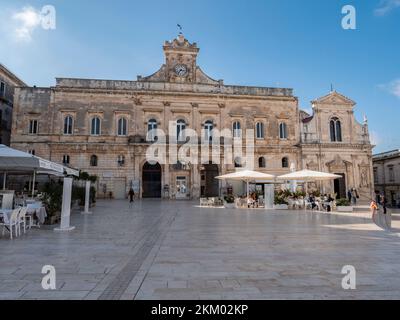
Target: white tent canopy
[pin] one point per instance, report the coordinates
(309, 175)
(12, 160)
(15, 160)
(247, 176)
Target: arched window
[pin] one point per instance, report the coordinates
(151, 127)
(95, 126)
(260, 130)
(335, 128)
(238, 162)
(236, 129)
(122, 127)
(93, 161)
(208, 127)
(283, 131)
(121, 160)
(261, 162)
(180, 127)
(285, 162)
(68, 123)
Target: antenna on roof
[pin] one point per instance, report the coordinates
(331, 87)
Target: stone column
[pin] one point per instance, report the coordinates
(66, 207)
(196, 181)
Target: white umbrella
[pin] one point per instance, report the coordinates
(309, 175)
(247, 176)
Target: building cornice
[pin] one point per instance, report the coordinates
(17, 81)
(336, 145)
(174, 94)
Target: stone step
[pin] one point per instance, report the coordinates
(361, 208)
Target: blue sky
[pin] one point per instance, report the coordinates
(286, 43)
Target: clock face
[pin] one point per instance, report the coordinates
(181, 70)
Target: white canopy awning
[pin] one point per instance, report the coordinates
(247, 175)
(309, 175)
(15, 160)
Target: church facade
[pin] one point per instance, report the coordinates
(105, 127)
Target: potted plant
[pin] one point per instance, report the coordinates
(280, 202)
(343, 205)
(52, 200)
(229, 201)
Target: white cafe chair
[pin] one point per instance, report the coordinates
(11, 222)
(22, 219)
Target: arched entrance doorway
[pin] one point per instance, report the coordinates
(209, 185)
(151, 180)
(340, 186)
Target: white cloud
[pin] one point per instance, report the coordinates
(392, 87)
(28, 20)
(385, 6)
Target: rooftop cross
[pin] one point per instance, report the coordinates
(180, 28)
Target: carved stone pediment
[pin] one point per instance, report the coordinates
(338, 162)
(334, 98)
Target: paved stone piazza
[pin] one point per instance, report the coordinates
(157, 249)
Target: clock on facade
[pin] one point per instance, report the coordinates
(181, 70)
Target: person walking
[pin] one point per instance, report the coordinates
(131, 194)
(349, 195)
(354, 196)
(383, 204)
(386, 217)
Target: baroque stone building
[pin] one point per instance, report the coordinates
(104, 127)
(387, 176)
(8, 81)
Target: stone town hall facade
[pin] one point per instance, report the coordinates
(101, 126)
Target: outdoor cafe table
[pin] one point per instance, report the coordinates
(34, 208)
